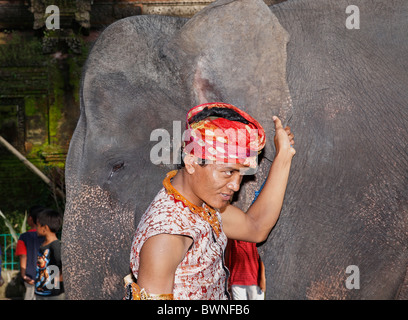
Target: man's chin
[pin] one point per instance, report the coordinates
(220, 205)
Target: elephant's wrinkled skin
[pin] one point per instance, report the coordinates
(346, 202)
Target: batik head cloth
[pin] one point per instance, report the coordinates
(222, 140)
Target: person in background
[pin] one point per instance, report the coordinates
(247, 279)
(48, 281)
(247, 272)
(27, 250)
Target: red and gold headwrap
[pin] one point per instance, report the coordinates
(222, 140)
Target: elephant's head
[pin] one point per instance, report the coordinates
(143, 73)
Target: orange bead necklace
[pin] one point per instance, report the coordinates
(207, 213)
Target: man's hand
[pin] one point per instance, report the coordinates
(28, 280)
(284, 138)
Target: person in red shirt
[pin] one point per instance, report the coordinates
(27, 249)
(247, 272)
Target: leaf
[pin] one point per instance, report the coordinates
(8, 224)
(24, 224)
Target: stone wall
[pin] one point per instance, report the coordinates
(26, 14)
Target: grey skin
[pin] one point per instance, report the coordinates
(346, 202)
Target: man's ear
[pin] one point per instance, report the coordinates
(190, 161)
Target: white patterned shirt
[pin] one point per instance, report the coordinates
(201, 275)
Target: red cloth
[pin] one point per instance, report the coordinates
(243, 263)
(222, 140)
(21, 247)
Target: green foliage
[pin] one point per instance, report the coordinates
(21, 50)
(20, 188)
(12, 226)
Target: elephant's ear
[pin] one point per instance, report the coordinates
(235, 52)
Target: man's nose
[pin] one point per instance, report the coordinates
(235, 184)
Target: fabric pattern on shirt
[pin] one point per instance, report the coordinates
(201, 274)
(48, 270)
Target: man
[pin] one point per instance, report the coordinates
(178, 248)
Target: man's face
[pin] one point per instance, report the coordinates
(215, 184)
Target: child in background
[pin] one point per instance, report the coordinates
(48, 283)
(27, 249)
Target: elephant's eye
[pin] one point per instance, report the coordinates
(117, 166)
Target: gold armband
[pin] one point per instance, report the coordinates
(133, 291)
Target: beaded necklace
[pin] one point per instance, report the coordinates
(206, 212)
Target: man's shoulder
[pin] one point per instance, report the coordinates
(30, 234)
(166, 215)
(163, 204)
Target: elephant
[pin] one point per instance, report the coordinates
(340, 84)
